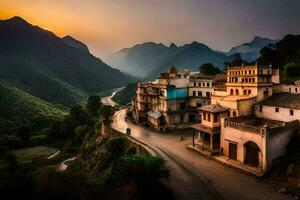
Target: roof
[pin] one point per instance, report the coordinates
(213, 108)
(154, 114)
(285, 100)
(206, 129)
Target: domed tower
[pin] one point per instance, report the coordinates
(173, 70)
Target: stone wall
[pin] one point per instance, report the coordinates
(278, 139)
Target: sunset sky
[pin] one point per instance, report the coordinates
(109, 25)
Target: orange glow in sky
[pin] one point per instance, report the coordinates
(109, 25)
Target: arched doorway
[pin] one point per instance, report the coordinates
(237, 92)
(251, 154)
(231, 92)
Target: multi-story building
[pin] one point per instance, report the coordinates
(200, 89)
(208, 131)
(254, 124)
(245, 86)
(172, 99)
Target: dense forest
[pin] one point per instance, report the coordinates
(284, 55)
(106, 166)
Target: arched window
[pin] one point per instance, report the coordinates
(236, 92)
(199, 93)
(245, 92)
(243, 80)
(231, 92)
(249, 92)
(253, 80)
(234, 113)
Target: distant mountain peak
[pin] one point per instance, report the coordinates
(16, 20)
(69, 40)
(173, 45)
(196, 44)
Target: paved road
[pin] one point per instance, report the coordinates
(108, 100)
(193, 176)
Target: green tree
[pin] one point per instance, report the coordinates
(116, 146)
(106, 112)
(93, 105)
(291, 72)
(209, 69)
(78, 115)
(141, 169)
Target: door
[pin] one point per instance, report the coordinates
(252, 154)
(232, 151)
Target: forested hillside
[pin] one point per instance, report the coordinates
(19, 108)
(45, 65)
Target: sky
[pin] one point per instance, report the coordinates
(107, 26)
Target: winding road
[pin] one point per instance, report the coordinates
(193, 176)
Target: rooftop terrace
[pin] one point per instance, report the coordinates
(253, 124)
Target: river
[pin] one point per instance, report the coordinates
(108, 99)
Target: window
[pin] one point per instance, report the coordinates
(194, 93)
(215, 118)
(291, 112)
(276, 109)
(234, 114)
(231, 92)
(204, 116)
(199, 84)
(290, 90)
(249, 71)
(245, 92)
(199, 93)
(253, 80)
(207, 94)
(237, 92)
(198, 105)
(249, 92)
(207, 84)
(243, 80)
(208, 117)
(203, 84)
(194, 84)
(296, 90)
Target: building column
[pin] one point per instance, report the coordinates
(211, 142)
(193, 131)
(202, 138)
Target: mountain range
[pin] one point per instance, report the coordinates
(250, 51)
(58, 70)
(147, 60)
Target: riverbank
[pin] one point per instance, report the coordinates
(107, 100)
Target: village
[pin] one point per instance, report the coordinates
(243, 118)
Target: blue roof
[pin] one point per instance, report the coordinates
(154, 114)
